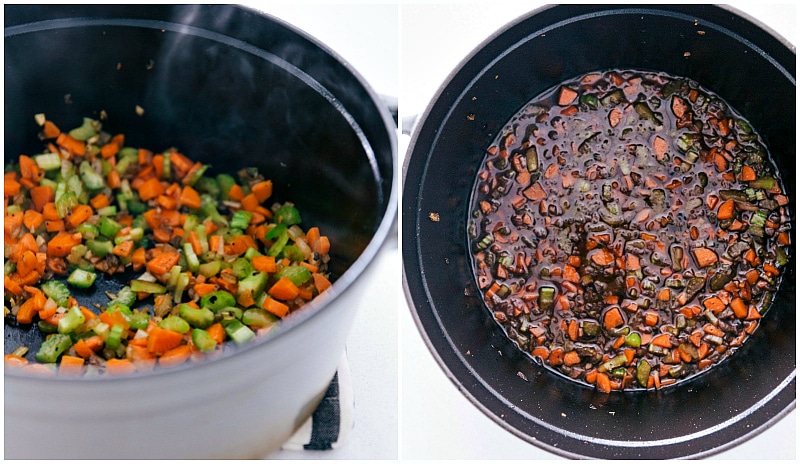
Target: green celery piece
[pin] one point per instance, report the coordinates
(110, 210)
(258, 318)
(208, 205)
(203, 340)
(53, 347)
(125, 296)
(108, 227)
(175, 324)
(277, 246)
(85, 131)
(81, 278)
(91, 179)
(219, 299)
(100, 248)
(207, 185)
(180, 286)
(210, 268)
(200, 318)
(275, 232)
(191, 258)
(65, 204)
(241, 219)
(255, 282)
(292, 253)
(88, 230)
(56, 290)
(135, 235)
(73, 319)
(297, 274)
(48, 161)
(242, 267)
(237, 331)
(225, 182)
(147, 287)
(115, 336)
(287, 214)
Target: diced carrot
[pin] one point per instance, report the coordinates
(613, 318)
(50, 212)
(662, 340)
(63, 243)
(739, 308)
(32, 219)
(151, 188)
(217, 332)
(236, 193)
(566, 96)
(321, 282)
(752, 313)
(55, 226)
(262, 190)
(602, 257)
(82, 349)
(284, 289)
(11, 286)
(72, 145)
(79, 215)
(108, 150)
(204, 289)
(124, 249)
(747, 174)
(725, 210)
(705, 256)
(162, 263)
(160, 340)
(175, 356)
(714, 304)
(13, 222)
(11, 187)
(100, 200)
(265, 264)
(14, 361)
(276, 307)
(571, 358)
(166, 202)
(651, 318)
(179, 161)
(113, 179)
(535, 192)
(26, 311)
(120, 367)
(660, 147)
(664, 294)
(249, 202)
(190, 197)
(29, 169)
(50, 130)
(603, 383)
(322, 245)
(72, 366)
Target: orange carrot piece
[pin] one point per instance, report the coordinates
(275, 307)
(566, 96)
(739, 307)
(100, 200)
(663, 340)
(160, 340)
(725, 210)
(217, 332)
(284, 289)
(204, 289)
(714, 304)
(236, 193)
(249, 202)
(108, 150)
(14, 361)
(11, 286)
(72, 366)
(175, 356)
(63, 243)
(265, 264)
(29, 169)
(571, 358)
(322, 245)
(613, 318)
(120, 367)
(704, 256)
(162, 263)
(747, 174)
(50, 130)
(72, 145)
(113, 179)
(190, 197)
(123, 250)
(151, 188)
(79, 215)
(32, 219)
(262, 190)
(603, 383)
(11, 187)
(651, 319)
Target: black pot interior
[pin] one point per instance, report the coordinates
(748, 67)
(224, 85)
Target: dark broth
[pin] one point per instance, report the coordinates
(628, 229)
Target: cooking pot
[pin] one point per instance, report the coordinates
(231, 88)
(723, 51)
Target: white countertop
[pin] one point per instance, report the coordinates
(405, 405)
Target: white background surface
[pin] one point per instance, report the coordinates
(407, 51)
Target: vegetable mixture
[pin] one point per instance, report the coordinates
(210, 262)
(628, 229)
